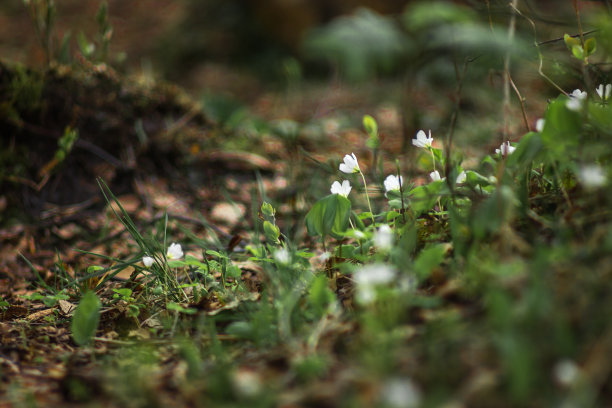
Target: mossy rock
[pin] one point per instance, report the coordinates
(122, 125)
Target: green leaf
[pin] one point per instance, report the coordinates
(578, 52)
(85, 319)
(268, 211)
(178, 308)
(371, 127)
(526, 151)
(320, 295)
(329, 216)
(590, 46)
(571, 41)
(271, 232)
(423, 198)
(561, 134)
(429, 258)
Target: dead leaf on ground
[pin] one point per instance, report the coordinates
(66, 307)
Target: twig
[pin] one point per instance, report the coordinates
(521, 101)
(506, 104)
(540, 58)
(554, 40)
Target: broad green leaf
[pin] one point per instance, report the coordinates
(526, 151)
(562, 130)
(85, 319)
(329, 216)
(423, 198)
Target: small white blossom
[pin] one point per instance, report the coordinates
(392, 183)
(350, 164)
(575, 101)
(505, 149)
(604, 91)
(282, 256)
(246, 383)
(383, 238)
(540, 125)
(566, 372)
(401, 393)
(147, 261)
(343, 189)
(461, 177)
(592, 176)
(174, 251)
(370, 276)
(435, 176)
(324, 256)
(422, 140)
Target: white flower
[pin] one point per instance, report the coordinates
(401, 393)
(147, 261)
(282, 256)
(435, 176)
(343, 189)
(577, 93)
(350, 164)
(370, 276)
(422, 140)
(505, 149)
(575, 101)
(392, 183)
(604, 91)
(592, 176)
(566, 372)
(461, 178)
(383, 238)
(174, 251)
(540, 125)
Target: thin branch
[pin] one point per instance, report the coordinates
(540, 57)
(521, 101)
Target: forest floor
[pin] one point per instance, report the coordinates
(504, 307)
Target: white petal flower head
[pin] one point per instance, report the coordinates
(422, 140)
(383, 238)
(604, 91)
(505, 149)
(174, 251)
(147, 261)
(575, 101)
(350, 164)
(566, 372)
(374, 274)
(435, 176)
(540, 125)
(401, 393)
(370, 276)
(343, 189)
(282, 256)
(592, 176)
(461, 178)
(393, 183)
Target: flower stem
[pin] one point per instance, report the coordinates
(433, 158)
(365, 187)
